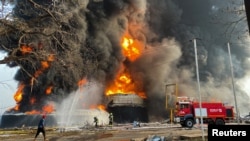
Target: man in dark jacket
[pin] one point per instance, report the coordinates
(41, 128)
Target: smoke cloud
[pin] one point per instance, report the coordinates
(86, 45)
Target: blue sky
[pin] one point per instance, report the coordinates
(8, 86)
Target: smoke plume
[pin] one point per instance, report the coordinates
(73, 41)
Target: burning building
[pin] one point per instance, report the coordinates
(115, 49)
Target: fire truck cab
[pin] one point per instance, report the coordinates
(188, 112)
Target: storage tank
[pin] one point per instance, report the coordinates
(127, 108)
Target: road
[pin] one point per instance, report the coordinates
(122, 132)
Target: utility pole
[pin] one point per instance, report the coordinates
(198, 81)
(232, 73)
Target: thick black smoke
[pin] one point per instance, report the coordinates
(214, 23)
(84, 37)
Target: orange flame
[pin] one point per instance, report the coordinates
(102, 107)
(44, 65)
(32, 100)
(18, 95)
(32, 112)
(82, 82)
(26, 49)
(48, 108)
(16, 107)
(51, 58)
(48, 90)
(132, 49)
(123, 83)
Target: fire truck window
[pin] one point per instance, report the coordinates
(184, 106)
(229, 113)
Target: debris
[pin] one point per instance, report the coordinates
(156, 138)
(136, 124)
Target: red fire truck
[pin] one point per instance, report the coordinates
(188, 112)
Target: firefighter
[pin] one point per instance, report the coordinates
(96, 121)
(111, 119)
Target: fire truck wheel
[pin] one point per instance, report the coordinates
(219, 122)
(189, 123)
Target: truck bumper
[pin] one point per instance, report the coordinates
(178, 119)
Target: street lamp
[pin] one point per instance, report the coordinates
(232, 73)
(198, 81)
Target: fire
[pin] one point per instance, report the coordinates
(123, 83)
(48, 108)
(100, 107)
(16, 107)
(48, 90)
(25, 49)
(132, 49)
(51, 58)
(32, 100)
(82, 82)
(44, 65)
(32, 112)
(18, 95)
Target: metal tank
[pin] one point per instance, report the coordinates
(127, 108)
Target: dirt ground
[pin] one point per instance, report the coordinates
(122, 132)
